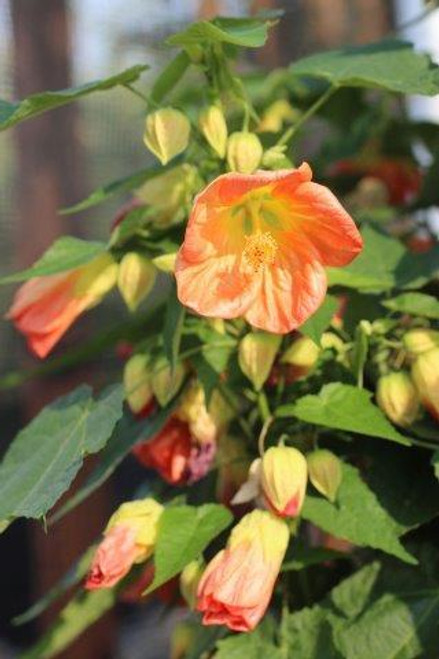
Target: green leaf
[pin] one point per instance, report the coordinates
(374, 269)
(307, 634)
(184, 532)
(416, 304)
(81, 612)
(392, 65)
(14, 113)
(357, 516)
(170, 76)
(76, 573)
(109, 190)
(344, 407)
(127, 433)
(246, 32)
(302, 557)
(359, 352)
(320, 320)
(249, 645)
(173, 327)
(45, 456)
(65, 254)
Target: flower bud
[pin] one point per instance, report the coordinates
(214, 128)
(135, 279)
(331, 341)
(96, 279)
(244, 152)
(284, 475)
(302, 355)
(275, 115)
(419, 340)
(205, 422)
(165, 262)
(169, 194)
(165, 381)
(397, 397)
(325, 472)
(130, 538)
(275, 158)
(189, 580)
(257, 352)
(137, 382)
(425, 374)
(166, 133)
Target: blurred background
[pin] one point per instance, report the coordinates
(56, 160)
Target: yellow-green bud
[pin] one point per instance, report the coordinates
(214, 128)
(417, 341)
(275, 158)
(165, 262)
(329, 341)
(284, 476)
(325, 473)
(166, 133)
(275, 115)
(165, 382)
(189, 580)
(425, 373)
(244, 152)
(396, 395)
(96, 278)
(302, 355)
(137, 382)
(135, 279)
(257, 352)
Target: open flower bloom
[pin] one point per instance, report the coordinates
(256, 246)
(130, 538)
(237, 585)
(45, 307)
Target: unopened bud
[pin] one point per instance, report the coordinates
(165, 380)
(325, 472)
(189, 580)
(417, 341)
(135, 279)
(257, 352)
(284, 475)
(331, 341)
(397, 397)
(214, 128)
(275, 115)
(96, 278)
(170, 194)
(302, 355)
(244, 152)
(165, 262)
(137, 382)
(425, 373)
(166, 133)
(275, 158)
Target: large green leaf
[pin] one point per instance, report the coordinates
(184, 532)
(14, 113)
(250, 646)
(320, 320)
(344, 407)
(65, 254)
(357, 516)
(246, 32)
(81, 612)
(416, 304)
(307, 634)
(46, 455)
(392, 65)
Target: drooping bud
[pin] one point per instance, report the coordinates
(244, 152)
(419, 340)
(214, 128)
(165, 381)
(189, 580)
(275, 115)
(137, 382)
(165, 262)
(325, 473)
(302, 356)
(331, 341)
(166, 133)
(257, 352)
(397, 397)
(96, 279)
(284, 475)
(135, 279)
(205, 422)
(275, 158)
(425, 374)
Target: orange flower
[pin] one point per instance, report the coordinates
(45, 307)
(237, 585)
(256, 246)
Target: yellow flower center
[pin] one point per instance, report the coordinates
(260, 249)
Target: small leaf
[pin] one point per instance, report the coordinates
(170, 76)
(174, 320)
(184, 532)
(307, 634)
(416, 304)
(65, 254)
(344, 407)
(249, 645)
(357, 516)
(320, 320)
(247, 32)
(392, 65)
(14, 113)
(43, 459)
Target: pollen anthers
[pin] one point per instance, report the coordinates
(260, 249)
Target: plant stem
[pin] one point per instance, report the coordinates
(136, 92)
(286, 137)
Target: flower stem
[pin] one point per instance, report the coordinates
(289, 134)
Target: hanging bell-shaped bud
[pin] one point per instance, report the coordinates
(135, 279)
(284, 476)
(213, 125)
(137, 383)
(396, 395)
(257, 352)
(166, 133)
(419, 340)
(244, 152)
(325, 473)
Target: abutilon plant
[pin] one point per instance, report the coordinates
(279, 389)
